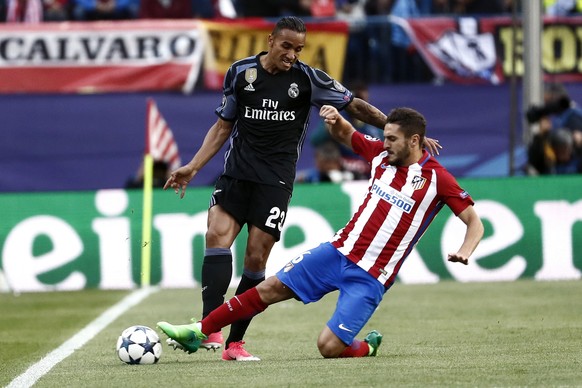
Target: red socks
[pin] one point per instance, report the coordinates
(247, 305)
(243, 306)
(356, 349)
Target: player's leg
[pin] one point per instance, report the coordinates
(359, 296)
(216, 276)
(303, 282)
(224, 224)
(265, 216)
(330, 346)
(190, 337)
(247, 304)
(259, 245)
(306, 280)
(217, 265)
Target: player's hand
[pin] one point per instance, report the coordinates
(432, 145)
(457, 258)
(329, 114)
(179, 180)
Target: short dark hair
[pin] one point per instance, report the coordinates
(411, 122)
(292, 23)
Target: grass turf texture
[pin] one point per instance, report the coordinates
(522, 333)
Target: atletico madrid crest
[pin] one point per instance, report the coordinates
(418, 182)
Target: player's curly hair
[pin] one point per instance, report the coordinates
(292, 23)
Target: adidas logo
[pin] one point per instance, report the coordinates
(249, 88)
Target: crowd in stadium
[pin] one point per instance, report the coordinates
(35, 11)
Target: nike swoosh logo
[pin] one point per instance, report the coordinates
(343, 327)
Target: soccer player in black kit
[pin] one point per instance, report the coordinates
(264, 114)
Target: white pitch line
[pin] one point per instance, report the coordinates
(36, 371)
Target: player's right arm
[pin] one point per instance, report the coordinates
(213, 142)
(339, 128)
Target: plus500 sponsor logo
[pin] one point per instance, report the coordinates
(392, 196)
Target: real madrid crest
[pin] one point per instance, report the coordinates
(251, 75)
(293, 90)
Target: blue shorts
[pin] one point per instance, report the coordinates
(322, 270)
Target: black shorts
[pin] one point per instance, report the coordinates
(252, 203)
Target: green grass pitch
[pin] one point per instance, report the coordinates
(514, 334)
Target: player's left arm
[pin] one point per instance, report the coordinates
(473, 235)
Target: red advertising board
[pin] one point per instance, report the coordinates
(100, 56)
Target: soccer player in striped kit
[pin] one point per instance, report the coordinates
(407, 189)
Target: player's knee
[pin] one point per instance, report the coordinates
(328, 349)
(217, 238)
(329, 344)
(211, 238)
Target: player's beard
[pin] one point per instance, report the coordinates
(398, 158)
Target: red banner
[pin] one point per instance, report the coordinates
(101, 56)
(469, 50)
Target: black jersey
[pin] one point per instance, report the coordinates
(271, 114)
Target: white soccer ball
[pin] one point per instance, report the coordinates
(139, 345)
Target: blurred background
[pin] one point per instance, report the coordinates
(496, 80)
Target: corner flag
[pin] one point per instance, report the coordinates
(160, 143)
(159, 146)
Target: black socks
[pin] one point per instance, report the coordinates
(239, 328)
(216, 276)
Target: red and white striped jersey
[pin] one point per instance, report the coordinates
(400, 204)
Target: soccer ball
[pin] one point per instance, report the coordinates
(139, 345)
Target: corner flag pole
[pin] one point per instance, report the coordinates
(146, 231)
(160, 146)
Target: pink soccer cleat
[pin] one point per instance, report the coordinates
(214, 341)
(236, 352)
